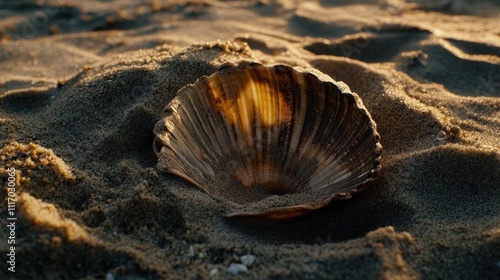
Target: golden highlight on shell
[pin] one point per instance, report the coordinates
(251, 133)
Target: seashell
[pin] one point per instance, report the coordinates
(260, 135)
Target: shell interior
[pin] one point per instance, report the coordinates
(250, 132)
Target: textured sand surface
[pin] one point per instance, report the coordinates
(82, 84)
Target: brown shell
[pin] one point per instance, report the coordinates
(269, 135)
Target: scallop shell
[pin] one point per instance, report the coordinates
(277, 141)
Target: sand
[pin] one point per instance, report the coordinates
(82, 84)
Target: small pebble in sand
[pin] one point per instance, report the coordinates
(247, 259)
(422, 58)
(236, 268)
(110, 276)
(54, 29)
(191, 251)
(441, 136)
(455, 130)
(213, 271)
(415, 58)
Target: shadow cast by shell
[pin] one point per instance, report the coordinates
(338, 222)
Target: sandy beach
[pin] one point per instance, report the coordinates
(83, 83)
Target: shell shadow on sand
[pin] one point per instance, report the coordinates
(340, 221)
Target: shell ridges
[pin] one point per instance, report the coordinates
(250, 131)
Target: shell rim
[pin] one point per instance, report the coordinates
(293, 210)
